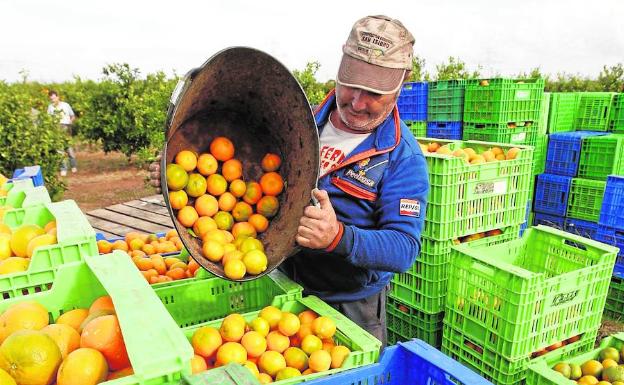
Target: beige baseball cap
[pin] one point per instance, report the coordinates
(377, 55)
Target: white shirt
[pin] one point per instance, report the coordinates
(336, 144)
(64, 110)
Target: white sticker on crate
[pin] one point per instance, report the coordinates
(519, 137)
(523, 94)
(498, 187)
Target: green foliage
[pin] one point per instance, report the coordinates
(418, 70)
(314, 90)
(455, 69)
(30, 136)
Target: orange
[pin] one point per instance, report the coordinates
(215, 235)
(212, 250)
(227, 201)
(198, 364)
(233, 328)
(307, 316)
(238, 187)
(271, 362)
(205, 341)
(311, 343)
(83, 367)
(104, 246)
(5, 379)
(496, 150)
(178, 199)
(588, 380)
(512, 153)
(206, 205)
(136, 244)
(261, 326)
(242, 211)
(13, 265)
(203, 225)
(104, 334)
(224, 220)
(176, 273)
(234, 269)
(338, 356)
(271, 183)
(186, 159)
(288, 324)
(25, 315)
(196, 185)
(30, 357)
(229, 238)
(49, 226)
(222, 148)
(267, 206)
(272, 315)
(120, 245)
(271, 162)
(253, 193)
(609, 363)
(254, 343)
(328, 345)
(39, 241)
(159, 263)
(102, 303)
(591, 367)
(207, 164)
(324, 327)
(120, 373)
(244, 229)
(320, 361)
(216, 184)
(232, 170)
(177, 177)
(253, 368)
(187, 216)
(255, 261)
(231, 352)
(287, 373)
(231, 254)
(66, 337)
(22, 236)
(193, 265)
(73, 318)
(259, 222)
(264, 378)
(277, 342)
(249, 244)
(296, 358)
(304, 330)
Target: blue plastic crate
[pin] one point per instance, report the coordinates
(612, 211)
(549, 220)
(444, 130)
(551, 194)
(414, 363)
(412, 102)
(32, 172)
(614, 237)
(564, 151)
(580, 227)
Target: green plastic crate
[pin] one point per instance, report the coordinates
(539, 155)
(230, 374)
(541, 372)
(467, 199)
(158, 351)
(562, 114)
(518, 297)
(75, 241)
(445, 101)
(594, 111)
(498, 369)
(616, 121)
(364, 347)
(614, 308)
(404, 323)
(503, 100)
(601, 156)
(585, 199)
(523, 133)
(543, 119)
(423, 286)
(419, 129)
(14, 187)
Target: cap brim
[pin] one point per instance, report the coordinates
(360, 74)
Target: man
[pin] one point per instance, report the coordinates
(67, 117)
(373, 182)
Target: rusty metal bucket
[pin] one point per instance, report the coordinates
(248, 96)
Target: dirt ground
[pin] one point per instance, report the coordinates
(105, 179)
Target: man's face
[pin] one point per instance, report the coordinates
(54, 98)
(362, 110)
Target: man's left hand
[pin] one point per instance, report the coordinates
(318, 227)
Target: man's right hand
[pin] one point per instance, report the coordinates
(154, 176)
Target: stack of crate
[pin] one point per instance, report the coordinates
(412, 106)
(474, 204)
(445, 109)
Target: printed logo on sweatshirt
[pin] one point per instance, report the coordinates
(410, 208)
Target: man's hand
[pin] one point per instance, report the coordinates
(318, 227)
(154, 177)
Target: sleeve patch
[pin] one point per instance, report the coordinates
(410, 207)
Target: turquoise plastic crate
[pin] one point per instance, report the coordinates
(158, 351)
(518, 297)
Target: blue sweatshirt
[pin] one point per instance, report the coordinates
(379, 194)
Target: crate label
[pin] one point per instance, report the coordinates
(520, 137)
(562, 298)
(499, 187)
(523, 94)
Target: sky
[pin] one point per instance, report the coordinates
(57, 40)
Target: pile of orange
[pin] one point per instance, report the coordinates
(274, 346)
(83, 347)
(18, 246)
(226, 212)
(471, 156)
(145, 251)
(606, 369)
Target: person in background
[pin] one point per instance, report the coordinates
(66, 119)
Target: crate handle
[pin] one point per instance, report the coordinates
(606, 112)
(575, 244)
